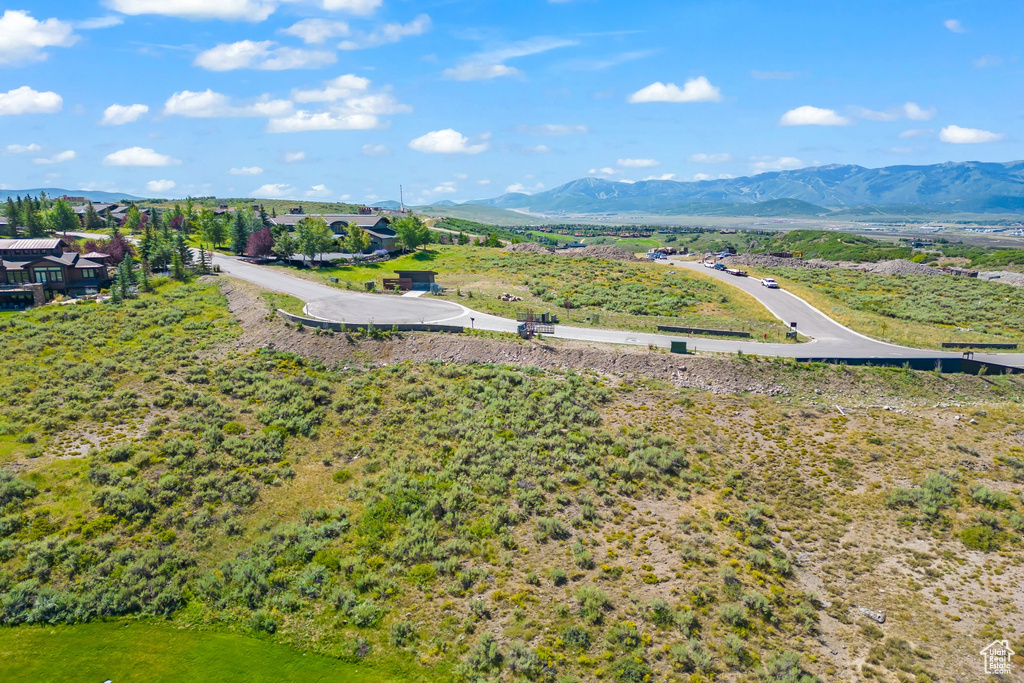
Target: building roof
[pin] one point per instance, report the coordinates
(363, 221)
(96, 256)
(84, 263)
(382, 233)
(11, 245)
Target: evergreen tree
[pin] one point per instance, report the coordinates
(93, 222)
(13, 218)
(34, 222)
(239, 234)
(181, 248)
(132, 219)
(264, 219)
(62, 218)
(463, 239)
(112, 226)
(177, 266)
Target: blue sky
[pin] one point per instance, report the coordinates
(463, 99)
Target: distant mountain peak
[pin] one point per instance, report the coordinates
(836, 185)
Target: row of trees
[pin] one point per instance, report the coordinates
(35, 217)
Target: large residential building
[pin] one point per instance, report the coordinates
(377, 227)
(49, 263)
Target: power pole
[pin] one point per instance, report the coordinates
(401, 196)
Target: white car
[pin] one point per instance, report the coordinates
(769, 282)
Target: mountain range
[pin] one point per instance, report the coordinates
(91, 195)
(970, 186)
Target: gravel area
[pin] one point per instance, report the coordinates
(1007, 277)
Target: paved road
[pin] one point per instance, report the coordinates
(829, 339)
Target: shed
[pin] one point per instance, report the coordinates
(421, 279)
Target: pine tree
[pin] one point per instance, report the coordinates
(93, 222)
(11, 213)
(177, 266)
(264, 219)
(144, 284)
(463, 239)
(239, 234)
(34, 223)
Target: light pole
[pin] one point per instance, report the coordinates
(472, 323)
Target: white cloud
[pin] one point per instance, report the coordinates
(25, 100)
(637, 163)
(334, 90)
(317, 31)
(763, 164)
(376, 151)
(108, 21)
(475, 71)
(117, 114)
(537, 149)
(445, 188)
(694, 90)
(812, 116)
(303, 121)
(519, 188)
(710, 158)
(22, 149)
(915, 113)
(261, 55)
(483, 182)
(607, 170)
(139, 156)
(274, 191)
(968, 136)
(294, 157)
(246, 170)
(915, 133)
(490, 63)
(210, 104)
(242, 10)
(318, 191)
(446, 141)
(56, 158)
(160, 185)
(360, 7)
(910, 110)
(553, 129)
(389, 33)
(700, 176)
(24, 38)
(663, 176)
(954, 25)
(461, 176)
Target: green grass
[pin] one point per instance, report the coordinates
(276, 300)
(915, 310)
(151, 652)
(625, 295)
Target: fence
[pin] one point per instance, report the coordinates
(702, 330)
(976, 345)
(357, 327)
(943, 364)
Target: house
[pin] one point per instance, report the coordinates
(47, 262)
(377, 227)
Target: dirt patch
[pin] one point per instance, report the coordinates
(720, 374)
(527, 248)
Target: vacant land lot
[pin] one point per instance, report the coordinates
(915, 310)
(490, 521)
(625, 295)
(154, 652)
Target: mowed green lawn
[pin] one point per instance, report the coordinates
(141, 651)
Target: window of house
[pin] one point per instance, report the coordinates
(49, 274)
(88, 273)
(16, 277)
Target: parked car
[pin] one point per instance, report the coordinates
(720, 266)
(769, 282)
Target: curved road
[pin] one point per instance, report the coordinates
(829, 339)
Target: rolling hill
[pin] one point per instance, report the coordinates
(952, 187)
(92, 195)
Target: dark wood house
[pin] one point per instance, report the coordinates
(47, 262)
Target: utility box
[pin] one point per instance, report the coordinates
(678, 346)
